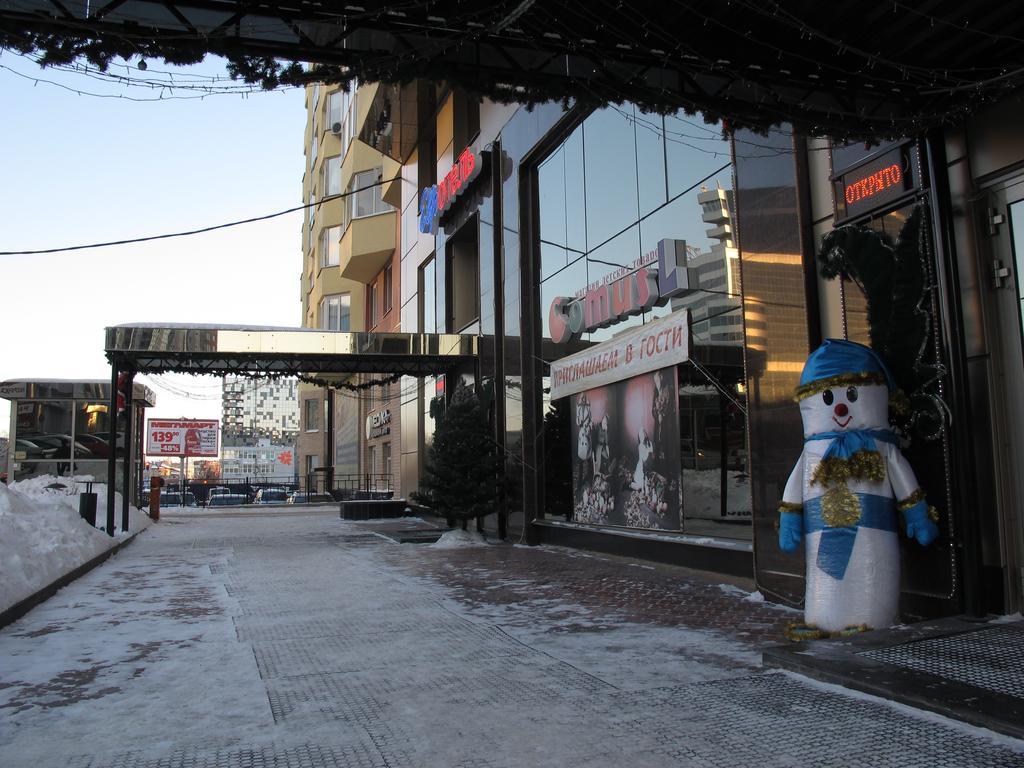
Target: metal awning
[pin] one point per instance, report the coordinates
(69, 389)
(223, 349)
(848, 69)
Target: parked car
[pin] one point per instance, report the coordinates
(216, 490)
(175, 499)
(33, 450)
(305, 497)
(62, 446)
(99, 447)
(271, 495)
(227, 500)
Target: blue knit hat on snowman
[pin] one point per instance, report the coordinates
(842, 363)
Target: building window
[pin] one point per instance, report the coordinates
(312, 213)
(371, 460)
(388, 288)
(335, 312)
(428, 298)
(365, 198)
(385, 458)
(349, 115)
(463, 280)
(335, 108)
(330, 247)
(330, 176)
(311, 414)
(371, 305)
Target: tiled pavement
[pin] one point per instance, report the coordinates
(308, 641)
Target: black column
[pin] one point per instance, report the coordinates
(112, 457)
(329, 442)
(126, 466)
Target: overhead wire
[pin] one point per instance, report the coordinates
(202, 230)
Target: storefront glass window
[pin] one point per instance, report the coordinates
(651, 168)
(716, 478)
(609, 147)
(92, 430)
(667, 449)
(44, 433)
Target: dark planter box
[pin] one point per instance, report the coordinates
(373, 509)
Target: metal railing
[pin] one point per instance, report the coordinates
(312, 488)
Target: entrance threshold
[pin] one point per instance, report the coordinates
(725, 556)
(963, 668)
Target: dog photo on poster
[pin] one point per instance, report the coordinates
(626, 460)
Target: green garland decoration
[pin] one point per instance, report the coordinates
(262, 376)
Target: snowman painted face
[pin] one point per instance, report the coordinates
(846, 408)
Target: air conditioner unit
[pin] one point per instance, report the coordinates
(336, 129)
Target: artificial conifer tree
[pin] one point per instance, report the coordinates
(557, 450)
(462, 480)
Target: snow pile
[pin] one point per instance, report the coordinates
(458, 538)
(42, 536)
(752, 597)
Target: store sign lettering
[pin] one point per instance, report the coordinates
(877, 183)
(436, 200)
(378, 424)
(659, 344)
(602, 305)
(13, 389)
(861, 189)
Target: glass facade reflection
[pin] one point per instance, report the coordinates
(665, 450)
(777, 327)
(62, 429)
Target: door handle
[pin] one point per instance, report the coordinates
(1000, 273)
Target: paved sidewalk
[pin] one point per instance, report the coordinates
(303, 640)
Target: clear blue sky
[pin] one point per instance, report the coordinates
(78, 169)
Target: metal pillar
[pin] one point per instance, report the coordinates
(329, 443)
(126, 468)
(112, 457)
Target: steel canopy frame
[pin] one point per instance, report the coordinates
(845, 69)
(219, 350)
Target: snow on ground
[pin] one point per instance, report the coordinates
(43, 537)
(753, 597)
(276, 640)
(458, 538)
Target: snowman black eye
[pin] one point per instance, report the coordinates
(851, 394)
(828, 397)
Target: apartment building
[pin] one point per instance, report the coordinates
(350, 238)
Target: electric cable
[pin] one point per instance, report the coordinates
(202, 230)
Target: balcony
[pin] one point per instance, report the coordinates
(367, 245)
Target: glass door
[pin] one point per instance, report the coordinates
(1005, 223)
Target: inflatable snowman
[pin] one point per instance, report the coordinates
(843, 495)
